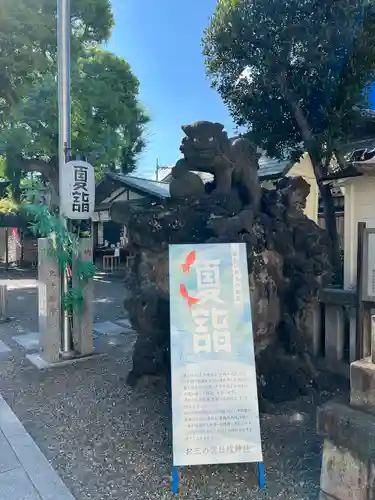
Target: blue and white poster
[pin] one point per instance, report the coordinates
(214, 390)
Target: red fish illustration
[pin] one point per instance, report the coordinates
(190, 259)
(185, 294)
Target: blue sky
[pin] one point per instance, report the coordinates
(161, 41)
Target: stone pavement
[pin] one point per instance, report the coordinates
(25, 473)
(22, 299)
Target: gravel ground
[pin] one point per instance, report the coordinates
(108, 441)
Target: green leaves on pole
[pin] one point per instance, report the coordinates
(64, 248)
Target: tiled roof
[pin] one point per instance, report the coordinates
(350, 147)
(269, 168)
(146, 186)
(365, 112)
(357, 151)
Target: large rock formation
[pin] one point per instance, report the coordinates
(287, 255)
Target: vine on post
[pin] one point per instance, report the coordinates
(64, 245)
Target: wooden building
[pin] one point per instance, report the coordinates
(107, 235)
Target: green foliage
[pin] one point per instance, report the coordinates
(73, 301)
(64, 247)
(32, 189)
(108, 123)
(291, 70)
(8, 205)
(85, 269)
(28, 41)
(2, 166)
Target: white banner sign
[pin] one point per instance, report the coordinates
(214, 390)
(77, 190)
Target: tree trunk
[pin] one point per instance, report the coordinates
(13, 173)
(329, 216)
(316, 157)
(339, 158)
(330, 221)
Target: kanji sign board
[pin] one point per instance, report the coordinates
(77, 190)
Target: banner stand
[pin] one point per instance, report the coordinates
(215, 409)
(261, 479)
(176, 478)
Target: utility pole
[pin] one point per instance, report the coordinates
(159, 168)
(64, 110)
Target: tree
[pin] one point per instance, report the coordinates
(291, 72)
(107, 121)
(28, 41)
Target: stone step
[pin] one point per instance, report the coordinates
(348, 463)
(362, 385)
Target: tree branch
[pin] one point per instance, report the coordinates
(302, 122)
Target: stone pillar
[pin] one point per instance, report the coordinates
(49, 302)
(334, 327)
(348, 464)
(314, 326)
(352, 333)
(83, 323)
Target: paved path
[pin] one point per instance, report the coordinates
(25, 473)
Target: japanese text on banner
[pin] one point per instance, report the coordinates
(81, 195)
(210, 318)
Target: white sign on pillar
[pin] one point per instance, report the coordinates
(77, 190)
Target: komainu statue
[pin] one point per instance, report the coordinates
(287, 253)
(207, 148)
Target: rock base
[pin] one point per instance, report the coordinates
(288, 256)
(348, 463)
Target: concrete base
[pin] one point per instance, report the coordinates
(29, 341)
(323, 496)
(4, 348)
(6, 320)
(348, 463)
(37, 360)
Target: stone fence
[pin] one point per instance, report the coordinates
(347, 337)
(335, 325)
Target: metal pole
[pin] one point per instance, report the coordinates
(63, 56)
